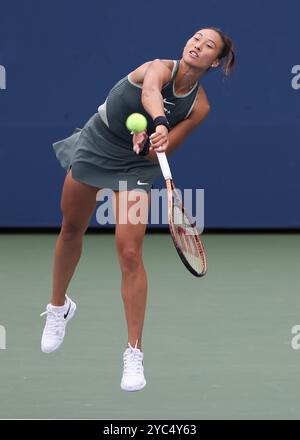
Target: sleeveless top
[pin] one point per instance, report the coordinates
(125, 98)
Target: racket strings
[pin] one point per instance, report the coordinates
(187, 238)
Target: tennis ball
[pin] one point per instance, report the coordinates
(136, 122)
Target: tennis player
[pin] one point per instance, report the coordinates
(104, 153)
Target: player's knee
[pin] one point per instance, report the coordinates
(130, 259)
(71, 231)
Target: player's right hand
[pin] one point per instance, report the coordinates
(159, 140)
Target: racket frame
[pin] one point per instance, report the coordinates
(171, 190)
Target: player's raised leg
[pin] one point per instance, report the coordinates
(77, 204)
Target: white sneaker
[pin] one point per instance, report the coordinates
(57, 318)
(133, 372)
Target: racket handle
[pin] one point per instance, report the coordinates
(164, 165)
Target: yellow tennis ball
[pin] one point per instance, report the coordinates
(136, 122)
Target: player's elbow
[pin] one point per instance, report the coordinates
(205, 112)
(206, 109)
(198, 117)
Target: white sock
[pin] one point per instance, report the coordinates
(60, 307)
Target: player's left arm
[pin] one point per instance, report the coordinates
(181, 131)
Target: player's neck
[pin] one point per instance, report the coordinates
(187, 77)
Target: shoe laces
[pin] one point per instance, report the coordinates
(133, 360)
(55, 321)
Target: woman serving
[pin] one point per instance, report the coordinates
(168, 93)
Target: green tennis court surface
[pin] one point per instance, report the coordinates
(218, 347)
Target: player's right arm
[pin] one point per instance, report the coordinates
(157, 75)
(152, 76)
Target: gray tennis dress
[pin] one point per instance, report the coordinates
(101, 153)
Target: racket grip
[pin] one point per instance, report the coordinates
(164, 165)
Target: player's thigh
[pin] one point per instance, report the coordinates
(78, 202)
(131, 211)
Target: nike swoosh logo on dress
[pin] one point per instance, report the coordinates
(167, 102)
(142, 183)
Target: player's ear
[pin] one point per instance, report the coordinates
(216, 63)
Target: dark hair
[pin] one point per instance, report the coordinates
(227, 52)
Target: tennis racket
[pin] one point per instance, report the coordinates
(184, 233)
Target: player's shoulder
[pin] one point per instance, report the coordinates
(167, 63)
(139, 73)
(201, 107)
(202, 99)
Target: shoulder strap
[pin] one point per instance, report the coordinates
(175, 69)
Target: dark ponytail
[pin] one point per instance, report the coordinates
(227, 52)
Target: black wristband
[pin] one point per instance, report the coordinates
(146, 147)
(161, 120)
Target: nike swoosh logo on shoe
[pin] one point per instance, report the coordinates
(66, 314)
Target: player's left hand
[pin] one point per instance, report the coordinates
(138, 140)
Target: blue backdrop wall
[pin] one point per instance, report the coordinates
(60, 58)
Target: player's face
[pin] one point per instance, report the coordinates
(203, 49)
